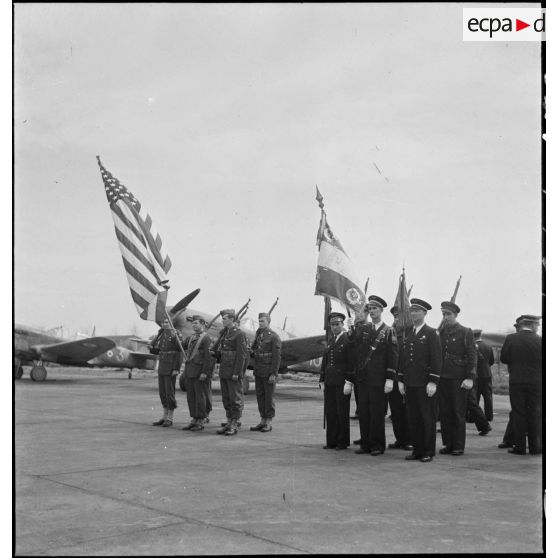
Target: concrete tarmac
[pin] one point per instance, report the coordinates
(93, 477)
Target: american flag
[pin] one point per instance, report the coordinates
(145, 261)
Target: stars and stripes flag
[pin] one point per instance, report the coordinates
(335, 276)
(145, 261)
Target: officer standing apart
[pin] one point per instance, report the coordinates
(418, 377)
(459, 369)
(231, 352)
(522, 352)
(266, 349)
(337, 380)
(485, 359)
(167, 345)
(198, 368)
(375, 372)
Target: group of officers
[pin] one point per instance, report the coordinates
(426, 374)
(232, 351)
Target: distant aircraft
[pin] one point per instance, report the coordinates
(34, 346)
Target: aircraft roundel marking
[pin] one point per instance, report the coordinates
(110, 354)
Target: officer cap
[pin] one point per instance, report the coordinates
(477, 332)
(528, 318)
(374, 300)
(394, 310)
(263, 315)
(228, 312)
(422, 304)
(336, 316)
(198, 318)
(450, 307)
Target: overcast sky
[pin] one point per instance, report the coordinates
(221, 119)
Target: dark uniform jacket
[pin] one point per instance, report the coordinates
(421, 361)
(170, 356)
(485, 359)
(232, 351)
(458, 352)
(336, 362)
(200, 361)
(522, 352)
(375, 353)
(267, 352)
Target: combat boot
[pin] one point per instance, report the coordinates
(232, 429)
(258, 426)
(224, 428)
(161, 421)
(190, 425)
(168, 420)
(267, 425)
(197, 426)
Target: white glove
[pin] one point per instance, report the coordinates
(272, 379)
(467, 384)
(347, 388)
(350, 322)
(234, 378)
(203, 377)
(430, 389)
(388, 386)
(401, 388)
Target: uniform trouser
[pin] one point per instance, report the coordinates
(356, 391)
(452, 400)
(265, 395)
(398, 416)
(484, 389)
(371, 417)
(526, 402)
(421, 416)
(167, 390)
(233, 398)
(508, 434)
(474, 412)
(196, 397)
(336, 407)
(208, 395)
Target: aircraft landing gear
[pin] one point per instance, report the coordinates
(18, 371)
(38, 373)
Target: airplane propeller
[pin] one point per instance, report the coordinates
(182, 304)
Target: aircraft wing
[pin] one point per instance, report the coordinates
(301, 349)
(494, 339)
(75, 352)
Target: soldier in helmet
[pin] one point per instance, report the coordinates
(167, 345)
(266, 349)
(231, 352)
(459, 370)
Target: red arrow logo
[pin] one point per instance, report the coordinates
(519, 25)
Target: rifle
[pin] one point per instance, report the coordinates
(452, 299)
(273, 307)
(238, 317)
(240, 314)
(212, 322)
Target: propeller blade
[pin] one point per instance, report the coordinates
(181, 304)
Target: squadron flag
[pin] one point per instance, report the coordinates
(402, 302)
(145, 261)
(335, 276)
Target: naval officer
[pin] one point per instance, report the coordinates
(418, 377)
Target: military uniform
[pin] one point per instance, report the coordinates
(485, 359)
(267, 358)
(522, 352)
(421, 364)
(198, 361)
(335, 370)
(396, 401)
(170, 360)
(459, 363)
(231, 351)
(376, 347)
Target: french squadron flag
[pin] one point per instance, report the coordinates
(335, 276)
(145, 261)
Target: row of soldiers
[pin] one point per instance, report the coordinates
(427, 374)
(232, 351)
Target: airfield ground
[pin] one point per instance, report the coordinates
(93, 477)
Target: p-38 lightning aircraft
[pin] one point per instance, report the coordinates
(34, 346)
